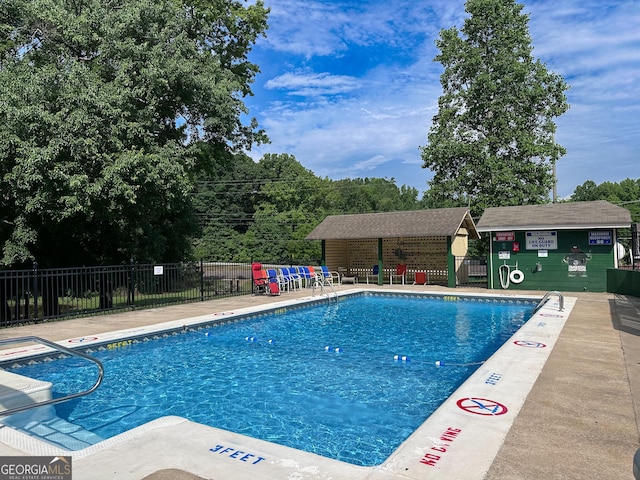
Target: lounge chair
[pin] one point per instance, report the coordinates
(401, 274)
(275, 277)
(345, 277)
(293, 276)
(420, 278)
(273, 286)
(306, 276)
(260, 279)
(291, 279)
(373, 275)
(328, 277)
(312, 273)
(334, 275)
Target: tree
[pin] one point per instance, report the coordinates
(370, 195)
(626, 194)
(492, 141)
(291, 202)
(104, 107)
(225, 206)
(265, 210)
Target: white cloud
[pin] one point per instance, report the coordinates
(313, 84)
(371, 122)
(305, 28)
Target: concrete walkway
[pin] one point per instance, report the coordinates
(578, 422)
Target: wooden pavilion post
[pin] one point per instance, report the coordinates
(380, 263)
(451, 264)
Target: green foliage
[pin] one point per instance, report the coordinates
(625, 194)
(265, 210)
(108, 112)
(225, 206)
(492, 141)
(371, 195)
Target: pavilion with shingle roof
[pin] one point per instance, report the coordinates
(424, 240)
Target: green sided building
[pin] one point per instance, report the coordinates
(558, 246)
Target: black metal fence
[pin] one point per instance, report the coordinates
(40, 294)
(471, 271)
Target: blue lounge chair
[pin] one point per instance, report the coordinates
(291, 275)
(326, 277)
(306, 276)
(274, 277)
(373, 275)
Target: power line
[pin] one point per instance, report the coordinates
(318, 183)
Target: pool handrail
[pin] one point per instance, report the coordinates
(320, 282)
(64, 398)
(545, 299)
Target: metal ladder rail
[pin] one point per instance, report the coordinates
(65, 398)
(545, 299)
(321, 284)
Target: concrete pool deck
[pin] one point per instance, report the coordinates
(578, 421)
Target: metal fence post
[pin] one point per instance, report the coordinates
(635, 246)
(26, 306)
(130, 285)
(201, 280)
(35, 290)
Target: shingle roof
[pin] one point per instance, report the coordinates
(561, 216)
(415, 223)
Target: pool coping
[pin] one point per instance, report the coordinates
(454, 442)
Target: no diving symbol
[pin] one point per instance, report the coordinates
(82, 339)
(528, 344)
(481, 406)
(551, 315)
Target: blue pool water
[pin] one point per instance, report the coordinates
(272, 376)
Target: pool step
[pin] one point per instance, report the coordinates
(41, 422)
(18, 390)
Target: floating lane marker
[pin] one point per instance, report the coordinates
(402, 358)
(440, 363)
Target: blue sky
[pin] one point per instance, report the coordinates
(349, 87)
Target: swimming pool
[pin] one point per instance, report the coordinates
(273, 377)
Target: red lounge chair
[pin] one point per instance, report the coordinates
(274, 288)
(401, 273)
(260, 279)
(421, 278)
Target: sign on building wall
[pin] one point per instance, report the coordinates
(601, 237)
(542, 240)
(505, 236)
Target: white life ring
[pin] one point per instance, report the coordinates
(516, 276)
